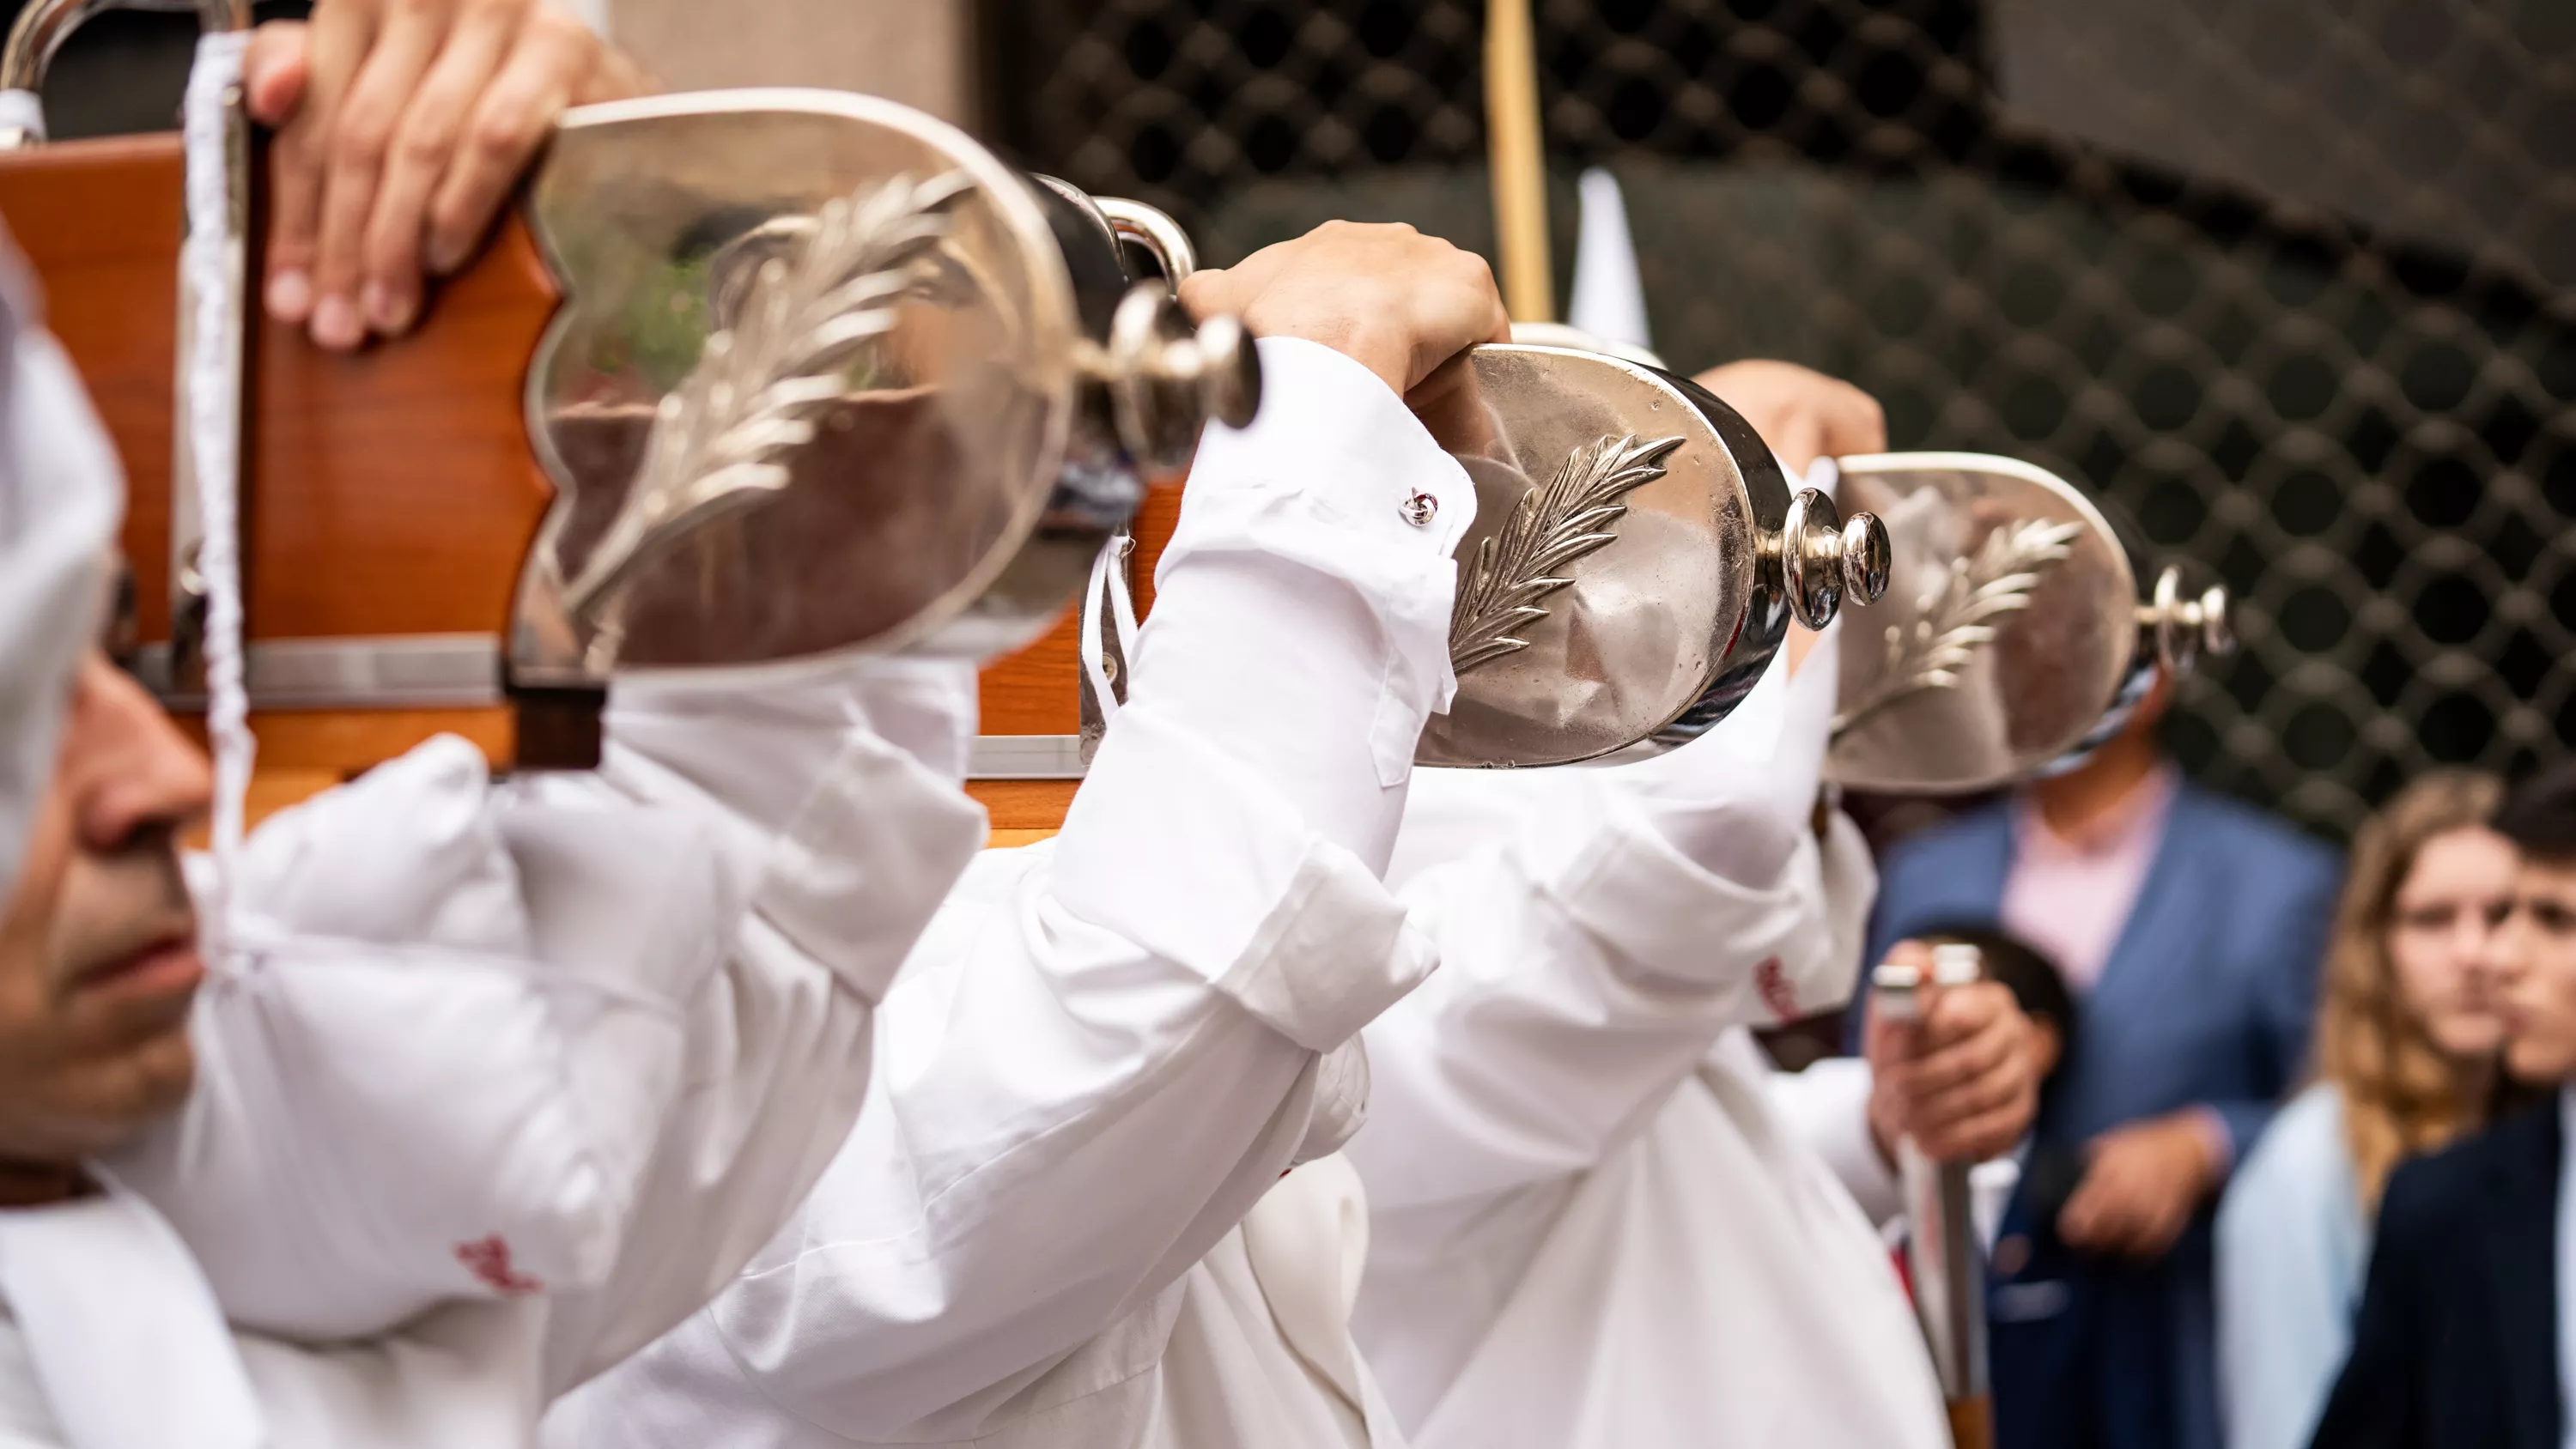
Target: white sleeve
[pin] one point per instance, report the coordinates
(836, 785)
(1828, 1106)
(1109, 1046)
(1589, 960)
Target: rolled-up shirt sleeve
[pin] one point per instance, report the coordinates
(836, 786)
(1589, 960)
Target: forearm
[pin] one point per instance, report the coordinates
(1586, 967)
(833, 790)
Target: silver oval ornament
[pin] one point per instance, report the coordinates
(1635, 560)
(829, 376)
(2017, 632)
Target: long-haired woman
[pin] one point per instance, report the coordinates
(2406, 1056)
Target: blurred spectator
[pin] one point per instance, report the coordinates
(2406, 1049)
(2465, 1338)
(2190, 928)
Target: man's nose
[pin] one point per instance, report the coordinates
(132, 772)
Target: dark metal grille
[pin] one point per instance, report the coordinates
(2292, 282)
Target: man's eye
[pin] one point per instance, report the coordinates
(120, 632)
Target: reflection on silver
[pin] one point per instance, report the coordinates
(718, 439)
(1657, 628)
(800, 401)
(1555, 524)
(2022, 661)
(1998, 581)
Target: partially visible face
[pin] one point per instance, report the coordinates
(2535, 966)
(98, 942)
(2456, 896)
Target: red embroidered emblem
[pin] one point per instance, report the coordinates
(489, 1262)
(1777, 993)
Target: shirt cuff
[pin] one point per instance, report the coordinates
(1828, 1104)
(1615, 875)
(1337, 476)
(1291, 926)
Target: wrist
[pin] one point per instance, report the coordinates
(2216, 1146)
(1387, 354)
(27, 1184)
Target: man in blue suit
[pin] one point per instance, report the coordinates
(2191, 928)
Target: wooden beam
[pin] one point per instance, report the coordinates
(1517, 149)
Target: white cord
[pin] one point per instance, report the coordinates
(1108, 578)
(214, 434)
(23, 111)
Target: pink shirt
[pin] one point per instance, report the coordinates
(2070, 896)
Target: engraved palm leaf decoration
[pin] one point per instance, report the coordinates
(1980, 591)
(722, 438)
(1556, 523)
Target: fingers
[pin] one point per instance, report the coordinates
(1989, 1091)
(334, 45)
(1944, 1066)
(1800, 442)
(554, 58)
(274, 71)
(418, 160)
(1979, 1121)
(2128, 1202)
(1803, 415)
(362, 134)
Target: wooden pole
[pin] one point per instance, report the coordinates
(1972, 1423)
(1519, 160)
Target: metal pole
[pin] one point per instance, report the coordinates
(1944, 1255)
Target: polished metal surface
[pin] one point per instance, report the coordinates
(1945, 1253)
(1026, 757)
(41, 28)
(2014, 635)
(829, 376)
(1823, 559)
(1626, 571)
(1154, 230)
(356, 671)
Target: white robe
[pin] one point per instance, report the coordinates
(1061, 1220)
(60, 494)
(498, 1081)
(1593, 1225)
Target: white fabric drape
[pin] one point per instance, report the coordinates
(61, 493)
(1109, 1046)
(501, 1080)
(1591, 1225)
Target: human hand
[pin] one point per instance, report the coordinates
(1963, 1081)
(403, 126)
(1391, 299)
(2142, 1182)
(1803, 415)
